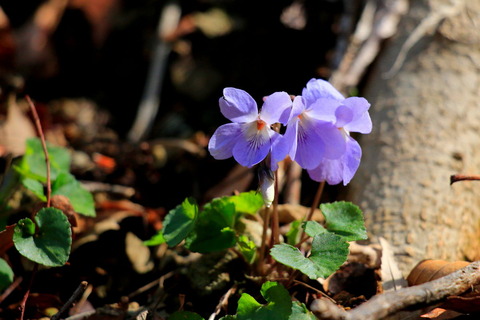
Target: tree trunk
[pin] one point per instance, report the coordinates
(426, 121)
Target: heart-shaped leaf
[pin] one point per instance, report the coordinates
(81, 200)
(33, 162)
(50, 243)
(279, 304)
(329, 252)
(6, 275)
(247, 202)
(345, 219)
(179, 222)
(312, 228)
(214, 228)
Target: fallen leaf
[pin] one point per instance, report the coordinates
(15, 130)
(428, 270)
(440, 314)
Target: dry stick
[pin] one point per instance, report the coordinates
(79, 291)
(25, 297)
(10, 289)
(223, 302)
(44, 146)
(386, 304)
(314, 289)
(461, 177)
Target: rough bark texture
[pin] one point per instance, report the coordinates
(426, 127)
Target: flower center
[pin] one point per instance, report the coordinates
(261, 124)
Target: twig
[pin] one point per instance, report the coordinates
(44, 146)
(79, 291)
(314, 289)
(10, 289)
(386, 304)
(461, 177)
(149, 104)
(25, 297)
(223, 301)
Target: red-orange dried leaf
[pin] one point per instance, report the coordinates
(107, 164)
(6, 241)
(440, 314)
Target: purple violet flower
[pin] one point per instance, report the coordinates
(311, 134)
(350, 115)
(249, 138)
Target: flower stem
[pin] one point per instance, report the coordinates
(275, 219)
(44, 146)
(261, 255)
(316, 201)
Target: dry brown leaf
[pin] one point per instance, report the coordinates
(428, 270)
(16, 128)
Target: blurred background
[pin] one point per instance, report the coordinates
(112, 56)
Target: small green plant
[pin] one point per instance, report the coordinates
(278, 306)
(218, 227)
(317, 137)
(32, 171)
(214, 228)
(45, 239)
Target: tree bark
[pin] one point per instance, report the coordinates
(426, 121)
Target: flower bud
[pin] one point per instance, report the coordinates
(266, 183)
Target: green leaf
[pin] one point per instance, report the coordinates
(185, 315)
(33, 162)
(329, 252)
(247, 202)
(300, 312)
(180, 221)
(293, 234)
(51, 243)
(279, 304)
(345, 219)
(35, 186)
(312, 228)
(247, 248)
(80, 198)
(205, 242)
(6, 275)
(214, 228)
(155, 240)
(228, 317)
